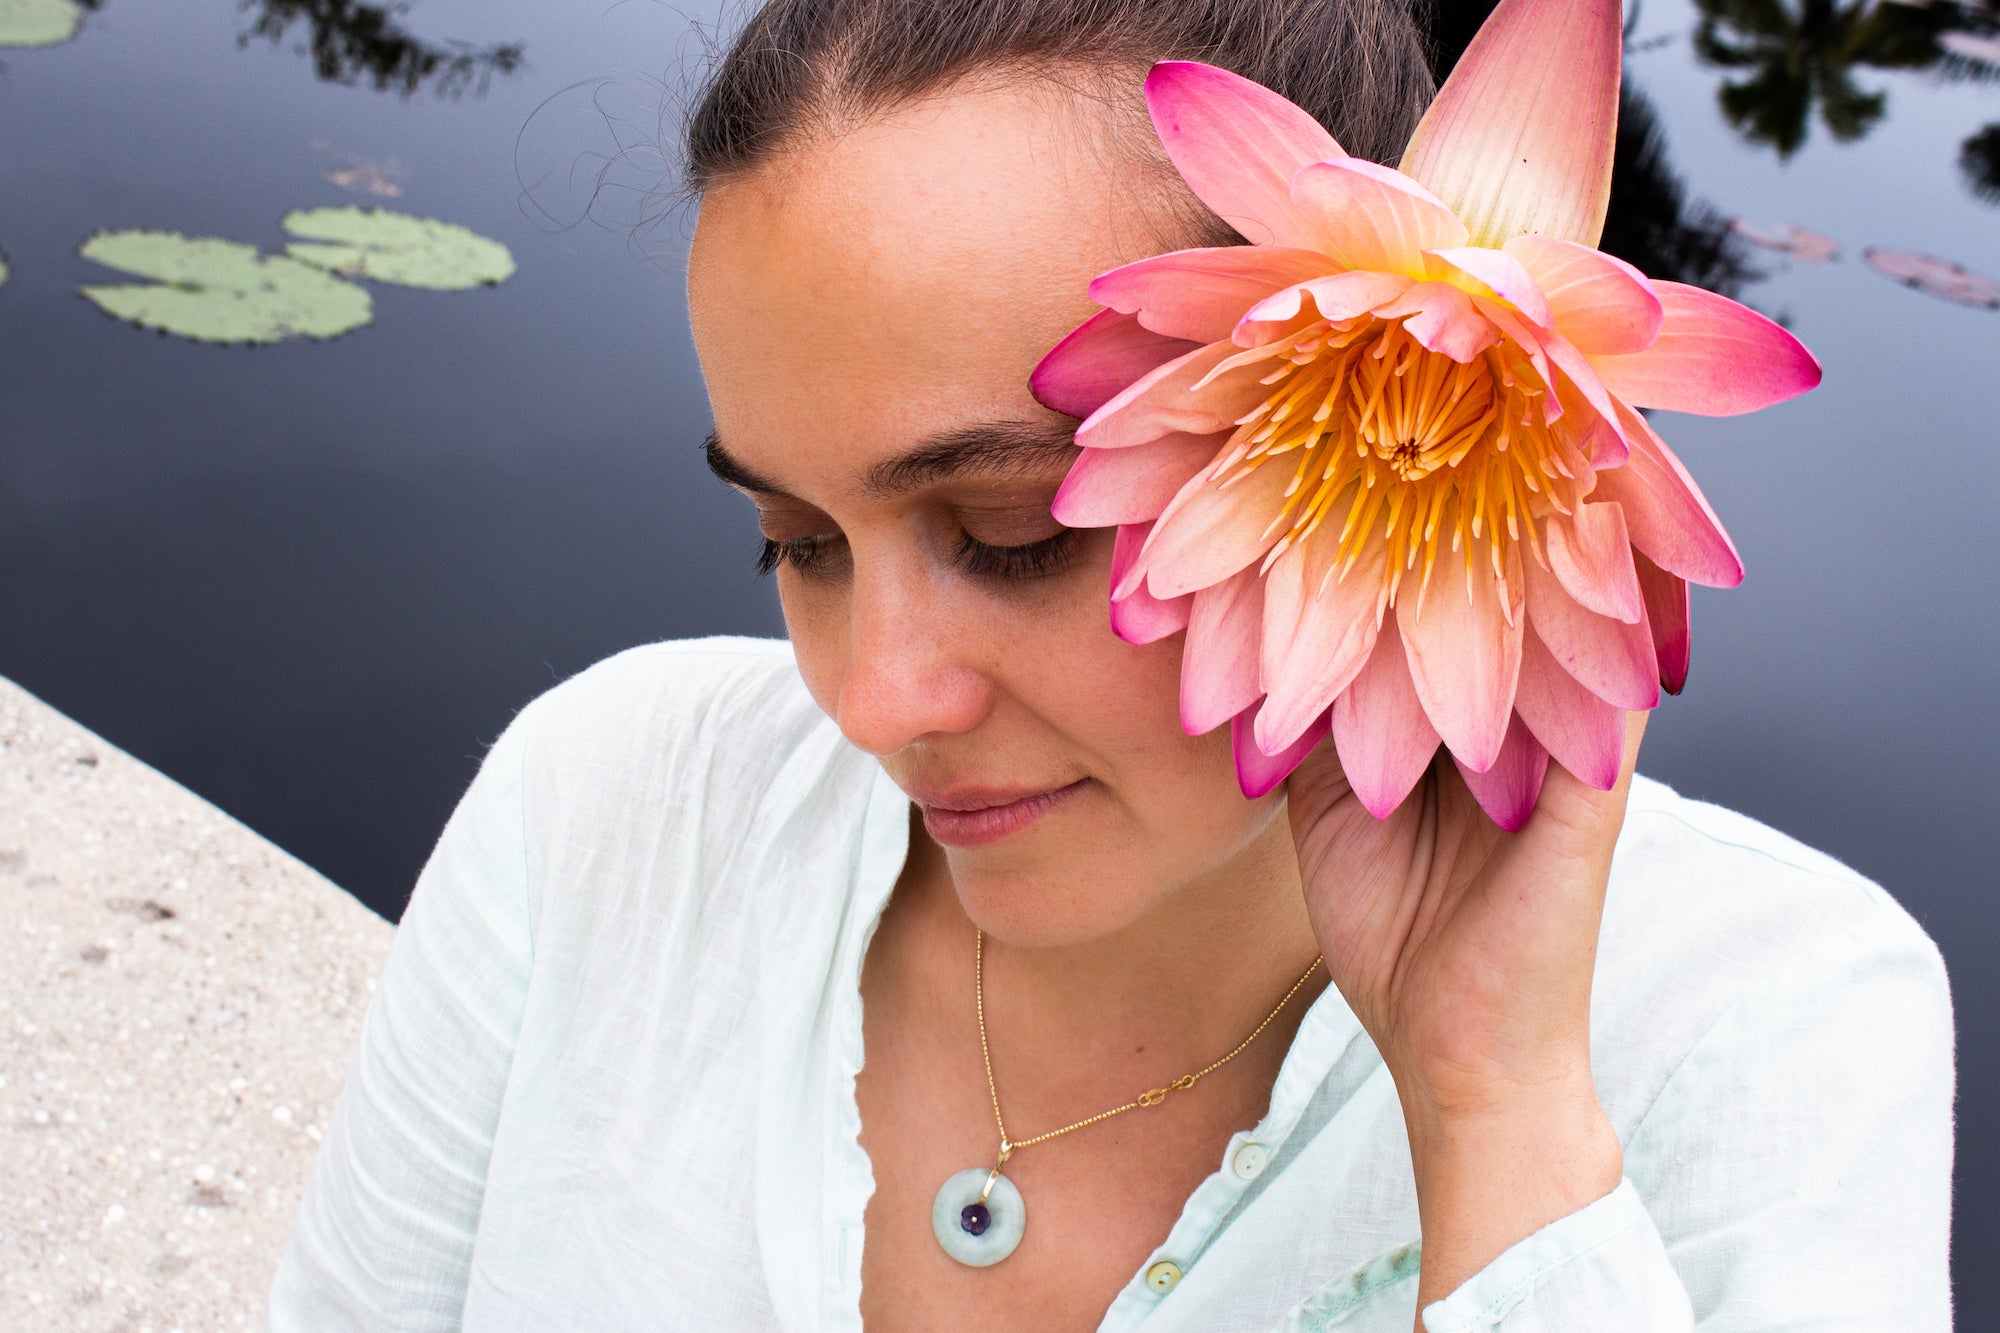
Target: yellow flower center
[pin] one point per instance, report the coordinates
(1408, 447)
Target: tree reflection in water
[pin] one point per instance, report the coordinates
(1801, 58)
(350, 41)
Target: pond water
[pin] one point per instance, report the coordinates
(313, 580)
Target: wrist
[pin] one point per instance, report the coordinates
(1491, 1176)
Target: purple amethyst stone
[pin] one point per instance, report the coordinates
(973, 1219)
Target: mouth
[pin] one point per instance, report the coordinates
(974, 817)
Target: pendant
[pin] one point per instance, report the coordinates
(978, 1216)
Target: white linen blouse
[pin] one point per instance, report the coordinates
(606, 1078)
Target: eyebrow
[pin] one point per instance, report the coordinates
(993, 448)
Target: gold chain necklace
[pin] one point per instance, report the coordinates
(980, 1222)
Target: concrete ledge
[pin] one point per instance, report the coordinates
(179, 1002)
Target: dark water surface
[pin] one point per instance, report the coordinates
(313, 581)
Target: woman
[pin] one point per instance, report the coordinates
(1645, 1064)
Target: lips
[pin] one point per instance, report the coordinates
(974, 816)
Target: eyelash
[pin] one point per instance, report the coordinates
(1031, 560)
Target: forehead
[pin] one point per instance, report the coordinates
(903, 277)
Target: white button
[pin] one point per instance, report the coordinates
(1248, 1163)
(1164, 1275)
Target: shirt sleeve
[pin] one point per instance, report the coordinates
(1798, 1169)
(383, 1237)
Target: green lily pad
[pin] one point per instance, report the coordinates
(221, 291)
(395, 247)
(38, 22)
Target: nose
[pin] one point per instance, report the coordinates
(915, 665)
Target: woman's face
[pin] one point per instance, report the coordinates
(867, 310)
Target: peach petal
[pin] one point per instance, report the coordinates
(1257, 772)
(1384, 738)
(1601, 303)
(1219, 663)
(1592, 556)
(1507, 789)
(1097, 359)
(1610, 658)
(1340, 296)
(1106, 486)
(1464, 651)
(1164, 401)
(1201, 294)
(1666, 513)
(1140, 617)
(1667, 612)
(1314, 645)
(1208, 532)
(1714, 358)
(1368, 216)
(1443, 318)
(1494, 273)
(1237, 144)
(1581, 732)
(1520, 137)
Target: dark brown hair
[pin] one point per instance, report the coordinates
(802, 66)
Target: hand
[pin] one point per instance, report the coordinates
(1467, 954)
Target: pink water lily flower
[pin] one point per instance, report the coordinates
(1382, 464)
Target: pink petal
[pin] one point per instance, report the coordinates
(1140, 617)
(1578, 369)
(1257, 772)
(1219, 663)
(1667, 612)
(1340, 296)
(1237, 144)
(1507, 790)
(1612, 659)
(1314, 646)
(1164, 401)
(1496, 273)
(1713, 357)
(1601, 303)
(1200, 294)
(1443, 318)
(1519, 138)
(1208, 532)
(1106, 486)
(1465, 657)
(1582, 732)
(1370, 217)
(1098, 358)
(1666, 513)
(1380, 731)
(1592, 556)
